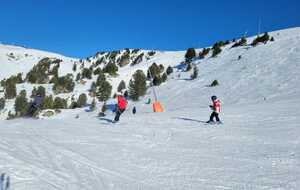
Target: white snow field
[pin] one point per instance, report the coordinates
(257, 147)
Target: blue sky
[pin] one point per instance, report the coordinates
(81, 28)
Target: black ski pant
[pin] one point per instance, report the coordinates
(118, 114)
(214, 115)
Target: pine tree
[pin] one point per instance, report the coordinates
(104, 88)
(189, 67)
(10, 89)
(93, 105)
(203, 53)
(169, 70)
(2, 103)
(78, 76)
(21, 104)
(97, 71)
(47, 102)
(214, 83)
(121, 86)
(216, 50)
(157, 80)
(137, 85)
(59, 103)
(87, 73)
(195, 73)
(111, 68)
(41, 91)
(164, 77)
(81, 102)
(153, 71)
(190, 54)
(74, 67)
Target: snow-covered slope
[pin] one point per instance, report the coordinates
(256, 148)
(14, 59)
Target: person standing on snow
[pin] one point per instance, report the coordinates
(216, 107)
(121, 106)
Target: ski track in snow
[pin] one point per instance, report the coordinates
(252, 150)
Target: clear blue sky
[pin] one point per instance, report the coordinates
(81, 28)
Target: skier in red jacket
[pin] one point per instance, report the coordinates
(216, 107)
(121, 106)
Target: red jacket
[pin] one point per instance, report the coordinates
(216, 106)
(122, 103)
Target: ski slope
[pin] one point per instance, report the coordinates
(258, 147)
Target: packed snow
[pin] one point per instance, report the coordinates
(257, 147)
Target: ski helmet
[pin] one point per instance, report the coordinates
(213, 98)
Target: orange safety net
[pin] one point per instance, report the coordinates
(157, 107)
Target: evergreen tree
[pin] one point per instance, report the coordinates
(74, 67)
(164, 77)
(64, 84)
(87, 73)
(93, 87)
(169, 70)
(161, 68)
(10, 89)
(78, 76)
(195, 73)
(111, 68)
(121, 86)
(190, 54)
(157, 80)
(81, 102)
(59, 103)
(104, 88)
(41, 91)
(47, 102)
(21, 104)
(189, 67)
(203, 53)
(242, 42)
(93, 105)
(153, 71)
(216, 50)
(97, 71)
(214, 83)
(2, 103)
(137, 85)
